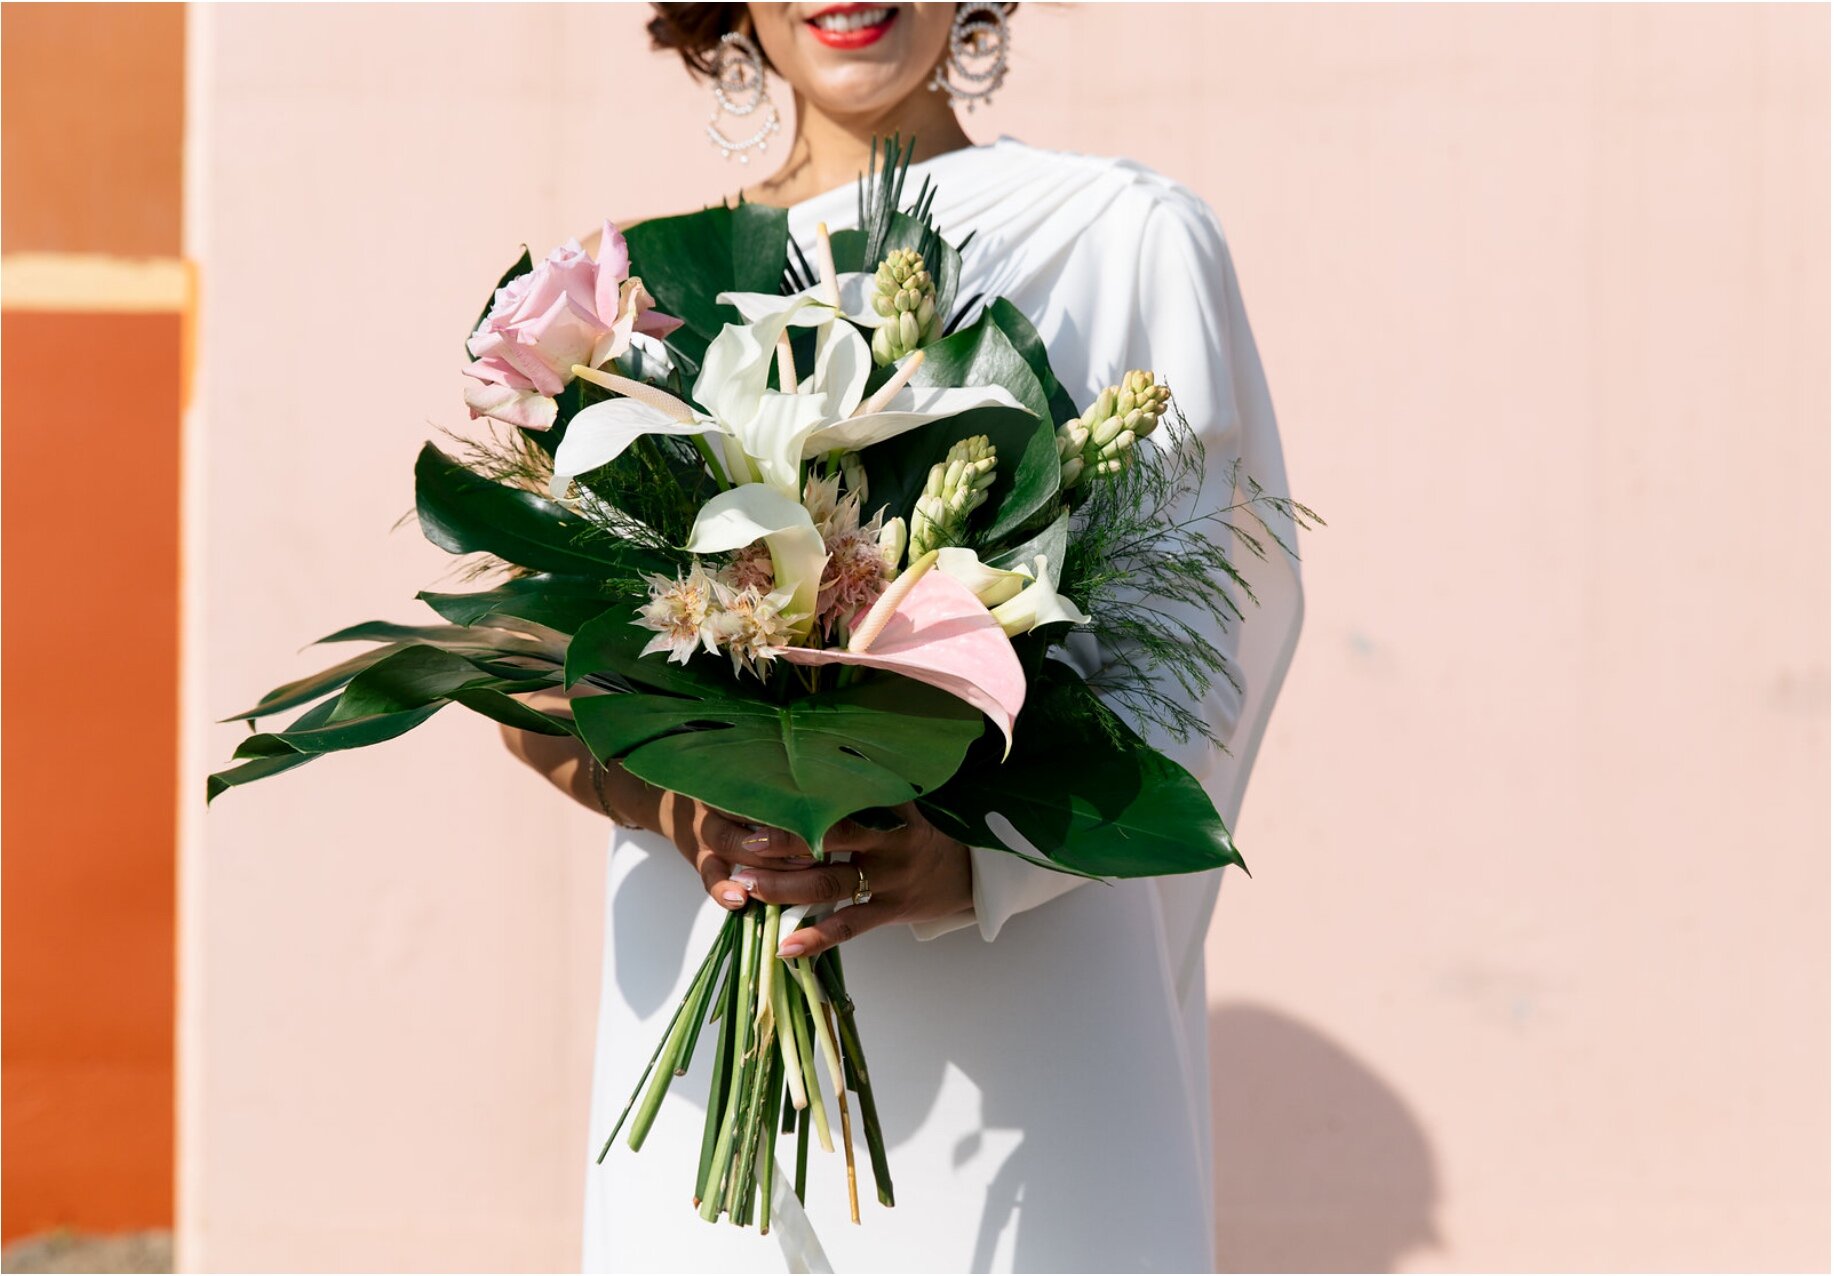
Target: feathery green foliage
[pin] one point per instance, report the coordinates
(650, 494)
(1156, 571)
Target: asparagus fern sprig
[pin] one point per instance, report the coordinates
(1154, 562)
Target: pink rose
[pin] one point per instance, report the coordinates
(569, 309)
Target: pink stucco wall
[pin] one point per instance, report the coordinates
(1533, 972)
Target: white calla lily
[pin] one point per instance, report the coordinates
(752, 512)
(992, 585)
(1037, 604)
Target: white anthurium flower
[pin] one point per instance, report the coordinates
(763, 434)
(598, 435)
(843, 361)
(908, 408)
(1038, 603)
(752, 512)
(856, 289)
(736, 372)
(736, 378)
(772, 439)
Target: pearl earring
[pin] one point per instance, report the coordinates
(739, 89)
(979, 40)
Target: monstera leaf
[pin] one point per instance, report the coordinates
(610, 646)
(803, 766)
(1087, 792)
(687, 261)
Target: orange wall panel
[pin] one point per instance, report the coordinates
(89, 472)
(92, 112)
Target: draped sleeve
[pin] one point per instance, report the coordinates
(1169, 301)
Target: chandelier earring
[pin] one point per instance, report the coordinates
(739, 89)
(979, 40)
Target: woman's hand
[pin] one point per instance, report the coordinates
(714, 843)
(916, 873)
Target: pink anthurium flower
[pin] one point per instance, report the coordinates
(938, 632)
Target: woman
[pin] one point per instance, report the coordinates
(1038, 1043)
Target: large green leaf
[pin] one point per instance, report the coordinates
(259, 768)
(397, 694)
(462, 512)
(305, 690)
(1024, 338)
(1025, 483)
(1053, 542)
(803, 766)
(611, 643)
(982, 354)
(394, 631)
(849, 249)
(686, 261)
(1092, 796)
(562, 603)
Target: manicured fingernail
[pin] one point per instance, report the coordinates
(790, 948)
(756, 841)
(733, 897)
(747, 880)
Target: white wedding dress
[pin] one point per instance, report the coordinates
(1040, 1065)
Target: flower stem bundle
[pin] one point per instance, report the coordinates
(765, 1083)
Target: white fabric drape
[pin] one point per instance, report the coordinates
(1041, 1064)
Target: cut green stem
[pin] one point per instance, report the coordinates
(828, 965)
(802, 1155)
(718, 947)
(689, 1015)
(712, 1201)
(716, 1091)
(804, 1047)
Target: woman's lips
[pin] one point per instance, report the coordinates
(852, 26)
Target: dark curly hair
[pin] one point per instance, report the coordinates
(694, 31)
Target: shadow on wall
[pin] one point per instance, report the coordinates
(1320, 1165)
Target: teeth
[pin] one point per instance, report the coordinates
(858, 20)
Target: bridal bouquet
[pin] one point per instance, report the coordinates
(812, 541)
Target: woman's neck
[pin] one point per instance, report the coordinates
(829, 151)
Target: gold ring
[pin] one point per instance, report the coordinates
(863, 892)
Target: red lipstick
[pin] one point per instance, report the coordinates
(850, 33)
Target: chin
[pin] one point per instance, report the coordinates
(857, 89)
(852, 58)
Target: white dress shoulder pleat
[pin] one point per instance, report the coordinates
(1040, 1065)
